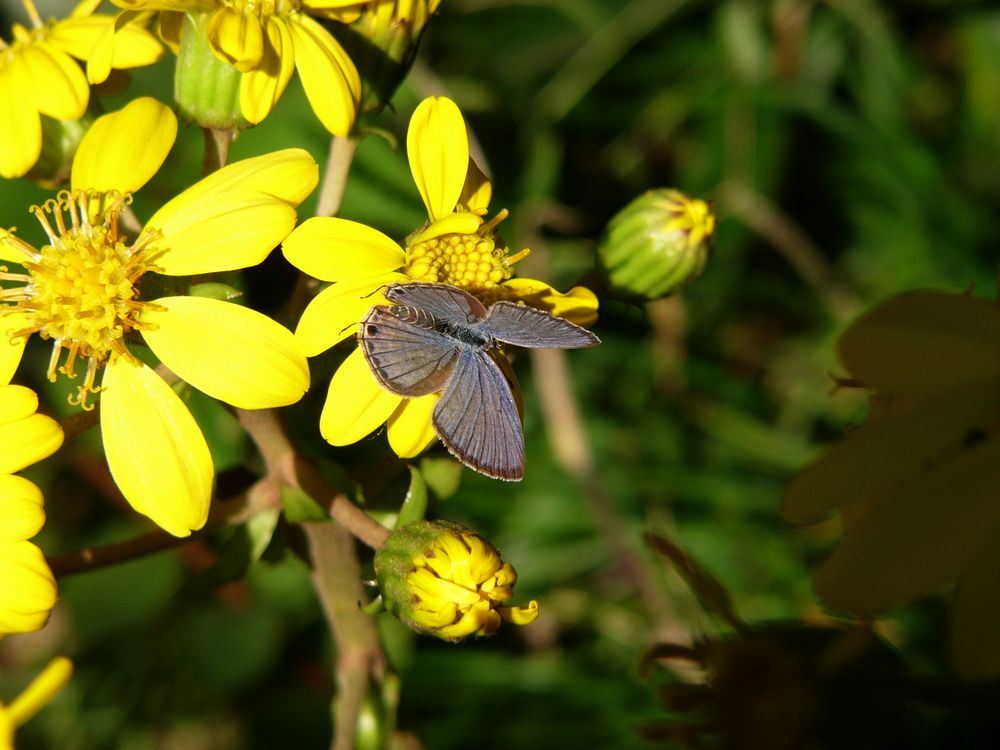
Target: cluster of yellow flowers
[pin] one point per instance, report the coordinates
(84, 290)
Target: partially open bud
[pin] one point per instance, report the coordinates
(445, 580)
(381, 38)
(206, 89)
(657, 244)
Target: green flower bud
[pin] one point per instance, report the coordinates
(657, 244)
(381, 37)
(444, 580)
(206, 89)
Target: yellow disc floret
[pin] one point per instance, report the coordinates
(80, 289)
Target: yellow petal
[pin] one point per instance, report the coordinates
(329, 77)
(872, 459)
(40, 691)
(123, 149)
(334, 314)
(11, 349)
(20, 125)
(261, 87)
(410, 429)
(578, 305)
(520, 615)
(437, 145)
(132, 47)
(332, 249)
(22, 513)
(355, 403)
(916, 537)
(155, 450)
(237, 38)
(924, 341)
(228, 231)
(477, 191)
(975, 616)
(16, 402)
(57, 85)
(188, 6)
(457, 223)
(169, 25)
(230, 352)
(28, 593)
(27, 441)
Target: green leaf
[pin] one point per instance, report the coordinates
(442, 476)
(415, 503)
(260, 529)
(300, 507)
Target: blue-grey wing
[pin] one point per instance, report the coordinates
(406, 358)
(532, 328)
(445, 303)
(477, 420)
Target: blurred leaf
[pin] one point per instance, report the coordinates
(415, 503)
(300, 507)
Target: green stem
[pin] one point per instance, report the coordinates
(338, 166)
(217, 143)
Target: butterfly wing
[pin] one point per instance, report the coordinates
(477, 420)
(532, 328)
(406, 358)
(445, 303)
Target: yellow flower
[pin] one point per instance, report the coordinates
(83, 292)
(266, 40)
(445, 580)
(455, 247)
(29, 589)
(38, 75)
(916, 484)
(33, 698)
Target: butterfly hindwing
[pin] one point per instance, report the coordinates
(477, 419)
(532, 328)
(406, 358)
(446, 304)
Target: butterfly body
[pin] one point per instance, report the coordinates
(437, 338)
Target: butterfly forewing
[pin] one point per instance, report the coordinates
(446, 304)
(531, 328)
(477, 418)
(406, 358)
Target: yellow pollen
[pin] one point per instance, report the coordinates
(476, 262)
(80, 290)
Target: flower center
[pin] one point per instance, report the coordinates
(477, 262)
(80, 290)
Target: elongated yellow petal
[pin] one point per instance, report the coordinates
(975, 616)
(410, 429)
(437, 145)
(40, 691)
(872, 459)
(330, 79)
(123, 149)
(232, 353)
(133, 45)
(477, 191)
(57, 86)
(156, 452)
(334, 314)
(20, 125)
(22, 511)
(578, 305)
(457, 223)
(187, 6)
(520, 615)
(17, 402)
(332, 249)
(27, 441)
(355, 403)
(916, 537)
(237, 38)
(923, 341)
(11, 349)
(28, 593)
(261, 87)
(232, 230)
(168, 27)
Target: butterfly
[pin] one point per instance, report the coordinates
(436, 337)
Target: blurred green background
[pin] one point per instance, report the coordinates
(851, 150)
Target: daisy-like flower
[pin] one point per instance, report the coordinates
(33, 699)
(82, 291)
(29, 589)
(445, 580)
(265, 40)
(916, 484)
(39, 75)
(457, 246)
